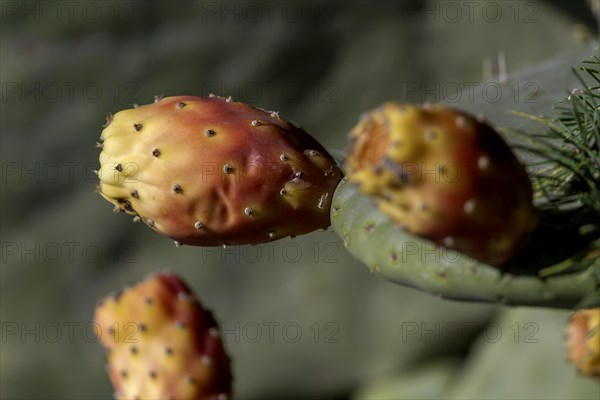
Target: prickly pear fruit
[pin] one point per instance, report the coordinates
(161, 344)
(211, 171)
(445, 176)
(583, 341)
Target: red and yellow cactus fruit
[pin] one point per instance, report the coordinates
(445, 176)
(583, 341)
(211, 171)
(161, 344)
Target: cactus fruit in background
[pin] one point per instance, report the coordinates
(559, 267)
(445, 176)
(161, 344)
(583, 341)
(211, 171)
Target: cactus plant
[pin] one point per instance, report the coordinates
(162, 344)
(560, 265)
(211, 171)
(367, 216)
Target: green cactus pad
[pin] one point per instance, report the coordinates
(373, 238)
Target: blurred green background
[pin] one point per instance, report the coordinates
(301, 318)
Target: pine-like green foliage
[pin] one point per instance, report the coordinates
(566, 179)
(569, 176)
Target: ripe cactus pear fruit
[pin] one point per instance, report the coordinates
(211, 171)
(161, 344)
(445, 176)
(583, 341)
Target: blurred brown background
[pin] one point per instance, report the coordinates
(301, 318)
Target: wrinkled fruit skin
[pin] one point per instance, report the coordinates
(211, 171)
(161, 344)
(445, 176)
(583, 342)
